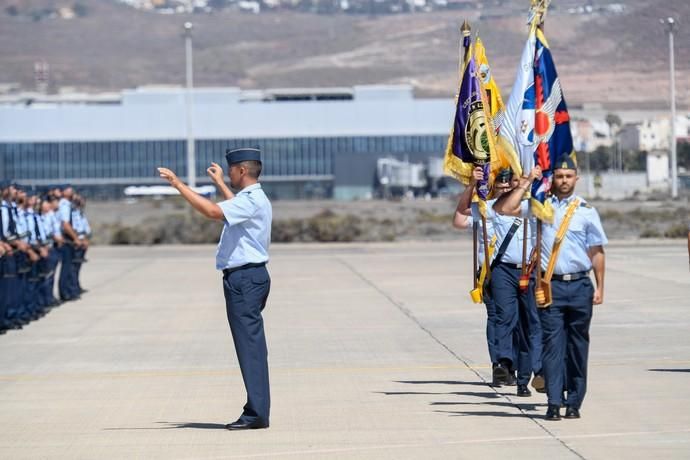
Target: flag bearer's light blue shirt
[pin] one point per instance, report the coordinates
(584, 231)
(247, 231)
(501, 226)
(477, 217)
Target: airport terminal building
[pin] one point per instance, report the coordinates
(316, 142)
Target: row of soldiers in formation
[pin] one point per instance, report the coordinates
(37, 234)
(528, 335)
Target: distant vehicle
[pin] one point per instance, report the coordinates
(164, 190)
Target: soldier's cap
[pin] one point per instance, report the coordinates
(504, 175)
(566, 161)
(242, 154)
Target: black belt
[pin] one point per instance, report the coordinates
(513, 266)
(571, 276)
(227, 271)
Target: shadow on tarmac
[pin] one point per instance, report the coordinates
(441, 382)
(668, 370)
(174, 426)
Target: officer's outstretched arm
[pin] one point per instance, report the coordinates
(206, 207)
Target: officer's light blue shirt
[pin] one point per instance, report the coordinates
(31, 228)
(247, 231)
(502, 225)
(21, 224)
(5, 210)
(64, 210)
(54, 220)
(78, 223)
(49, 223)
(85, 223)
(584, 231)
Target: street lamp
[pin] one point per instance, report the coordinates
(670, 24)
(191, 162)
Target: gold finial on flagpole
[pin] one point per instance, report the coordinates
(466, 29)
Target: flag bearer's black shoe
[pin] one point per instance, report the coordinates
(553, 412)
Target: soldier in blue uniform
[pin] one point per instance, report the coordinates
(81, 226)
(565, 323)
(54, 240)
(513, 327)
(8, 270)
(242, 256)
(67, 283)
(467, 215)
(518, 329)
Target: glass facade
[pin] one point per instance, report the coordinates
(297, 159)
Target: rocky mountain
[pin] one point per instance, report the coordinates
(617, 59)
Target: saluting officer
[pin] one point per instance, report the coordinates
(242, 255)
(565, 323)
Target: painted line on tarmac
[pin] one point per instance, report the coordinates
(457, 356)
(337, 450)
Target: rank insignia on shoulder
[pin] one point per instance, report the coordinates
(585, 205)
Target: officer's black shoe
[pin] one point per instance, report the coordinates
(523, 391)
(512, 379)
(494, 382)
(501, 374)
(553, 412)
(538, 383)
(571, 412)
(83, 291)
(240, 424)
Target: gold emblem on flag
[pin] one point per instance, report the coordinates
(475, 133)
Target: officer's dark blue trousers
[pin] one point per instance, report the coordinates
(6, 262)
(67, 282)
(31, 304)
(565, 326)
(246, 291)
(490, 323)
(518, 330)
(48, 280)
(10, 288)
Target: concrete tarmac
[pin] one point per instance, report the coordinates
(375, 350)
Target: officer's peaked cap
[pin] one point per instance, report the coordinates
(566, 161)
(243, 154)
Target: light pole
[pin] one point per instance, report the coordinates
(670, 23)
(189, 103)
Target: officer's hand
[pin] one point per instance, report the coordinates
(598, 298)
(43, 252)
(170, 176)
(477, 174)
(215, 172)
(33, 256)
(535, 173)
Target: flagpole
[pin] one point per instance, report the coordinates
(539, 295)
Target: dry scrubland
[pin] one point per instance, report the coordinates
(600, 58)
(170, 221)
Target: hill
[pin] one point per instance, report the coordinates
(618, 60)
